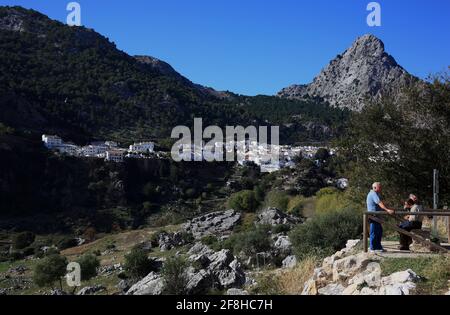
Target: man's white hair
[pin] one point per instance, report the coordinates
(376, 185)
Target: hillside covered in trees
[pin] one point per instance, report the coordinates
(74, 82)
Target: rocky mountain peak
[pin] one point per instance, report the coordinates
(368, 45)
(362, 73)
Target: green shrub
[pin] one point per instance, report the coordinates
(154, 238)
(212, 242)
(296, 206)
(66, 242)
(282, 228)
(89, 265)
(330, 199)
(250, 242)
(137, 265)
(23, 240)
(326, 233)
(277, 199)
(49, 270)
(243, 201)
(174, 275)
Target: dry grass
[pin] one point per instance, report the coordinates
(291, 282)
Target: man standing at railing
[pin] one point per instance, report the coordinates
(374, 203)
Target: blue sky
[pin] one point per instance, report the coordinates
(260, 46)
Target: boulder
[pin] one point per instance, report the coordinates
(368, 291)
(91, 290)
(289, 262)
(198, 282)
(274, 216)
(124, 285)
(310, 288)
(351, 290)
(399, 283)
(282, 245)
(347, 267)
(217, 269)
(199, 249)
(371, 277)
(110, 269)
(220, 260)
(152, 284)
(400, 277)
(168, 241)
(332, 289)
(216, 223)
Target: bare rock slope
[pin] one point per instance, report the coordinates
(363, 72)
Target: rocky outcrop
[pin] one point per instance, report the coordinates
(153, 284)
(217, 223)
(168, 241)
(351, 273)
(237, 292)
(91, 290)
(289, 262)
(208, 270)
(364, 71)
(274, 216)
(219, 270)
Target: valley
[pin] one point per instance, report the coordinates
(86, 175)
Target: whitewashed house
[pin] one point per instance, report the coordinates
(93, 150)
(116, 156)
(69, 149)
(142, 147)
(52, 142)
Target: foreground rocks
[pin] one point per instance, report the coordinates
(220, 270)
(274, 216)
(351, 273)
(216, 223)
(153, 284)
(91, 290)
(209, 270)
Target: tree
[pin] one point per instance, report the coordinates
(137, 265)
(174, 275)
(89, 265)
(49, 270)
(322, 154)
(243, 201)
(326, 233)
(23, 240)
(399, 141)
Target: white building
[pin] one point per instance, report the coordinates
(52, 142)
(93, 150)
(111, 144)
(116, 156)
(69, 149)
(142, 147)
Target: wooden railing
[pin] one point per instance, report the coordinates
(376, 216)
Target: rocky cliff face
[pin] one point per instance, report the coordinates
(362, 73)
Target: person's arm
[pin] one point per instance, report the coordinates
(382, 206)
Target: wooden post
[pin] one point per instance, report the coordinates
(365, 233)
(448, 229)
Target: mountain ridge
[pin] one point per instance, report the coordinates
(364, 71)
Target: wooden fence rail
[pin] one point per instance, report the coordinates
(375, 216)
